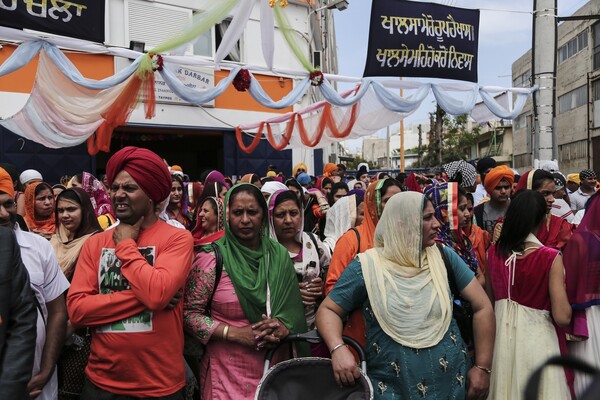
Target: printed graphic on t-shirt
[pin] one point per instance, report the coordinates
(111, 280)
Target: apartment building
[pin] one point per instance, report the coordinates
(577, 106)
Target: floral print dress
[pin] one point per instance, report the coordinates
(400, 372)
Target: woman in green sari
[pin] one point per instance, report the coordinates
(254, 304)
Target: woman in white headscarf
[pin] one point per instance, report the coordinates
(345, 214)
(414, 345)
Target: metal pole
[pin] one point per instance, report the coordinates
(402, 166)
(544, 42)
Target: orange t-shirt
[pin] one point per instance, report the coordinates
(121, 293)
(346, 249)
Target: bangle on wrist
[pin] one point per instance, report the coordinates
(225, 332)
(486, 370)
(337, 347)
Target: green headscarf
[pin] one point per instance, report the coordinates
(250, 272)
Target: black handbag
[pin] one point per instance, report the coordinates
(71, 365)
(461, 309)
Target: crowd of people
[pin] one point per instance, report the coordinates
(145, 283)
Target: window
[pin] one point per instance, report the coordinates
(520, 122)
(596, 102)
(207, 44)
(220, 30)
(573, 99)
(151, 22)
(572, 47)
(522, 160)
(597, 46)
(203, 46)
(523, 80)
(573, 151)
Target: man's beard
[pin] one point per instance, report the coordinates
(10, 221)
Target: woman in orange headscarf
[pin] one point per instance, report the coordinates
(39, 209)
(358, 240)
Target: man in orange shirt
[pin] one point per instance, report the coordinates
(125, 288)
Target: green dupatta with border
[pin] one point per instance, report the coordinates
(251, 271)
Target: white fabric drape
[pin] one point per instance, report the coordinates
(231, 32)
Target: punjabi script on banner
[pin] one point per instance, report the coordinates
(422, 40)
(82, 19)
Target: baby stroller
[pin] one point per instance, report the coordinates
(310, 377)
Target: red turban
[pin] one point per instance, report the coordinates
(6, 183)
(493, 178)
(145, 167)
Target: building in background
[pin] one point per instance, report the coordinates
(577, 102)
(495, 140)
(385, 153)
(197, 138)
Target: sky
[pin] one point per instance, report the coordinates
(505, 35)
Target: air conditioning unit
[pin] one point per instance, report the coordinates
(317, 59)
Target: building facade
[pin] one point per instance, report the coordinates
(197, 138)
(577, 106)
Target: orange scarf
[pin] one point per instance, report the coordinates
(46, 225)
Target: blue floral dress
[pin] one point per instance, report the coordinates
(400, 372)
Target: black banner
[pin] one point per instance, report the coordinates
(408, 38)
(83, 19)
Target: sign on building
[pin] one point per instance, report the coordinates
(415, 39)
(83, 19)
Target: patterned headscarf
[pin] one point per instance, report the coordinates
(462, 172)
(587, 173)
(444, 198)
(198, 231)
(98, 195)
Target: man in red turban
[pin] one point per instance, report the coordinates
(498, 183)
(126, 283)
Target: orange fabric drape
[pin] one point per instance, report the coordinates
(289, 129)
(119, 112)
(327, 120)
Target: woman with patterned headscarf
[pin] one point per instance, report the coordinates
(98, 196)
(359, 240)
(209, 222)
(450, 205)
(415, 349)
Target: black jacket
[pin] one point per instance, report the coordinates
(18, 315)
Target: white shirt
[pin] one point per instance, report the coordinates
(578, 217)
(47, 282)
(561, 209)
(578, 200)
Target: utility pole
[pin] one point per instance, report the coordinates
(419, 151)
(439, 127)
(543, 74)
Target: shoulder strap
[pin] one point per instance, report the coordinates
(478, 211)
(357, 238)
(218, 271)
(314, 240)
(449, 271)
